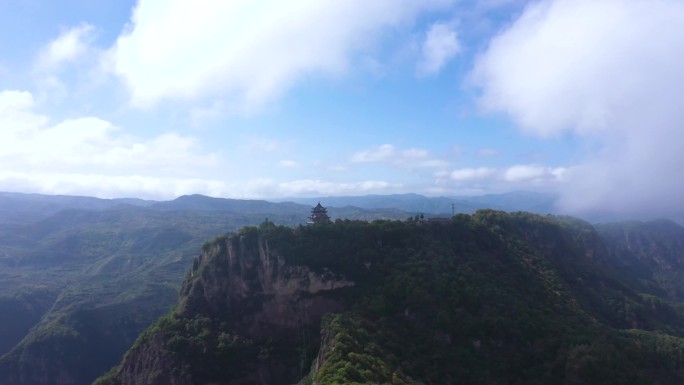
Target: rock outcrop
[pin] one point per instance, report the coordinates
(245, 301)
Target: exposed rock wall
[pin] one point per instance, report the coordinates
(246, 290)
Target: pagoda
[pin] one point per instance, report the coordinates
(319, 214)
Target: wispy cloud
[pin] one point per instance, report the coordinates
(264, 144)
(533, 173)
(470, 174)
(487, 152)
(70, 45)
(314, 187)
(287, 163)
(478, 180)
(111, 186)
(440, 45)
(382, 153)
(388, 153)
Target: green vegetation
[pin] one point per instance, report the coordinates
(107, 275)
(21, 310)
(103, 270)
(484, 299)
(353, 356)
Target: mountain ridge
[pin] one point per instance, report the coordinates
(72, 276)
(482, 299)
(71, 273)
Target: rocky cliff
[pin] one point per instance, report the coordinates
(243, 306)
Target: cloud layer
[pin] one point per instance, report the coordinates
(91, 156)
(86, 153)
(610, 72)
(247, 52)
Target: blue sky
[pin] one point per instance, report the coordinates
(268, 99)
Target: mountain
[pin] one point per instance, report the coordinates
(198, 202)
(81, 277)
(98, 278)
(650, 252)
(415, 203)
(19, 207)
(534, 202)
(487, 298)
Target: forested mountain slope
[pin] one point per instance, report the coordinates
(81, 277)
(653, 252)
(484, 299)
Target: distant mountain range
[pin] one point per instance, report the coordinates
(414, 203)
(81, 277)
(19, 207)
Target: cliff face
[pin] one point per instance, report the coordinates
(242, 277)
(245, 302)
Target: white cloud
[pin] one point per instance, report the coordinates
(69, 46)
(609, 71)
(15, 113)
(479, 180)
(14, 101)
(470, 174)
(382, 153)
(415, 153)
(247, 52)
(91, 156)
(110, 186)
(30, 143)
(314, 187)
(286, 163)
(532, 173)
(387, 153)
(440, 45)
(524, 173)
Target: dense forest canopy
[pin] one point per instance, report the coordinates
(483, 299)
